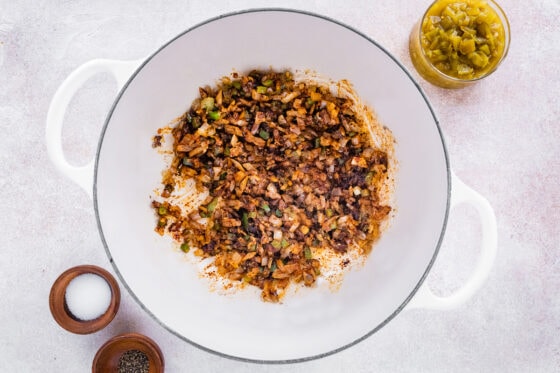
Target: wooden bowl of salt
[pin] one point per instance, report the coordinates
(84, 299)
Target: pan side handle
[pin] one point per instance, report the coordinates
(83, 174)
(461, 193)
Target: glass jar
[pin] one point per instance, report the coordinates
(450, 27)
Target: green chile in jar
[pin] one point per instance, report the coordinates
(463, 39)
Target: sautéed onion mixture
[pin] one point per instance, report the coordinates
(288, 174)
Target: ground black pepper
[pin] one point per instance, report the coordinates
(134, 361)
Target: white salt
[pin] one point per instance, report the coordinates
(88, 296)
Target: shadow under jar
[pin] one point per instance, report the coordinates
(457, 43)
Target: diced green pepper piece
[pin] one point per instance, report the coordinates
(245, 221)
(446, 23)
(265, 207)
(264, 134)
(185, 247)
(261, 89)
(207, 103)
(307, 253)
(463, 69)
(212, 205)
(196, 122)
(484, 30)
(268, 83)
(478, 59)
(214, 115)
(467, 46)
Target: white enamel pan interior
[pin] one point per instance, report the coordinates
(313, 322)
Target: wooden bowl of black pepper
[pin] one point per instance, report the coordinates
(127, 353)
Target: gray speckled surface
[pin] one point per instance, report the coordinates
(503, 137)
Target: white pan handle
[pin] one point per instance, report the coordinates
(461, 193)
(121, 70)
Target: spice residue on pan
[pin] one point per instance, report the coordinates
(276, 179)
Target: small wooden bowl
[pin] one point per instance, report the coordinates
(59, 308)
(107, 357)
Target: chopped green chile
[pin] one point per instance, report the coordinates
(265, 207)
(245, 220)
(214, 115)
(462, 39)
(212, 205)
(196, 122)
(207, 103)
